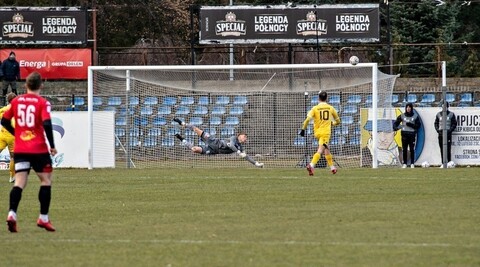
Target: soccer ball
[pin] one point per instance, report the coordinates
(354, 60)
(451, 164)
(425, 164)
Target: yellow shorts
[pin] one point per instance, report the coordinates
(6, 141)
(323, 139)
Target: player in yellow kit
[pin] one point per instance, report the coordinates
(324, 116)
(7, 139)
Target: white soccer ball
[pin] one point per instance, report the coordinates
(425, 164)
(354, 60)
(451, 164)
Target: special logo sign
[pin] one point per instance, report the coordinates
(312, 25)
(286, 24)
(18, 27)
(35, 25)
(230, 26)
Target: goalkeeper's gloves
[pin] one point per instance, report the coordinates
(258, 164)
(241, 154)
(301, 132)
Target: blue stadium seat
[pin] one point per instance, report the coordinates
(200, 110)
(240, 100)
(190, 132)
(354, 99)
(114, 109)
(164, 110)
(299, 141)
(355, 140)
(78, 101)
(212, 131)
(350, 109)
(203, 100)
(337, 108)
(141, 121)
(159, 121)
(133, 101)
(150, 141)
(232, 121)
(150, 100)
(114, 101)
(314, 100)
(197, 121)
(154, 131)
(347, 119)
(120, 132)
(121, 121)
(187, 100)
(218, 110)
(146, 110)
(427, 100)
(168, 142)
(369, 100)
(97, 101)
(182, 110)
(334, 99)
(134, 142)
(215, 121)
(173, 131)
(337, 140)
(341, 130)
(411, 98)
(222, 100)
(309, 129)
(227, 131)
(169, 100)
(135, 132)
(450, 97)
(236, 110)
(395, 98)
(466, 99)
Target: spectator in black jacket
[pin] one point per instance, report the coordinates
(11, 73)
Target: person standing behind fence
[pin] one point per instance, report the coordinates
(410, 125)
(11, 73)
(450, 125)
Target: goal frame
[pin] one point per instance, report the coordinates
(127, 69)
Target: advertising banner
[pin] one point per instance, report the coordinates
(290, 24)
(465, 138)
(52, 64)
(43, 25)
(71, 140)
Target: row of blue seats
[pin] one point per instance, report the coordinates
(166, 100)
(426, 99)
(225, 131)
(160, 121)
(180, 110)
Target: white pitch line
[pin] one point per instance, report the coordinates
(238, 242)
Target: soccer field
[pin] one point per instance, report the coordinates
(250, 217)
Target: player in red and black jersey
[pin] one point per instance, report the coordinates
(31, 114)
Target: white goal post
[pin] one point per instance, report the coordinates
(268, 102)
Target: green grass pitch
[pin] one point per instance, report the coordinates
(249, 217)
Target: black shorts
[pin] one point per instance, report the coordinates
(38, 162)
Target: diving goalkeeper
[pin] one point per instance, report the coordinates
(215, 145)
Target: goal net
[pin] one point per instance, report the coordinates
(268, 102)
